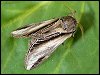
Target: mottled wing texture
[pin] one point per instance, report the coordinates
(31, 28)
(42, 49)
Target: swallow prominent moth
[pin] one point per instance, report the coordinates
(45, 37)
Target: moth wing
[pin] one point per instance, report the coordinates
(43, 51)
(45, 37)
(31, 43)
(23, 31)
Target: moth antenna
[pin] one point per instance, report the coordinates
(81, 28)
(73, 15)
(72, 11)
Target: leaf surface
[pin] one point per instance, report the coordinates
(78, 55)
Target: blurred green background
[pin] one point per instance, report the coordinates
(77, 55)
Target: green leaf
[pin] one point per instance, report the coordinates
(78, 55)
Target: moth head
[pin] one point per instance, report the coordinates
(69, 23)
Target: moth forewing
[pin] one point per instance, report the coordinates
(43, 51)
(20, 32)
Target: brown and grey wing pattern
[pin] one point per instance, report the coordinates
(42, 47)
(43, 51)
(31, 28)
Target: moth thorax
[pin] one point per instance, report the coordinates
(70, 23)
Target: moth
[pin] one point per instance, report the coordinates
(45, 37)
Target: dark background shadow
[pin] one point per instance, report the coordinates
(87, 21)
